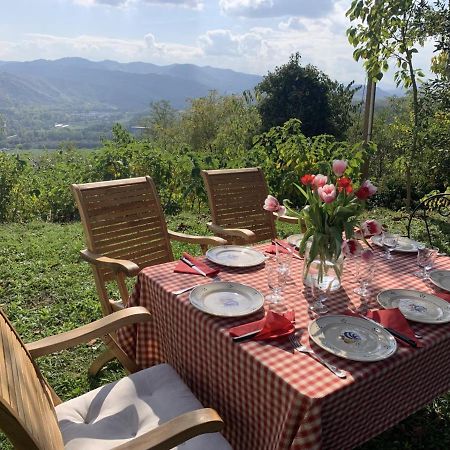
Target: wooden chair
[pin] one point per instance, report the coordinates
(127, 414)
(125, 230)
(236, 198)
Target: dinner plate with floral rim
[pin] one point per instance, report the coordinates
(235, 256)
(226, 299)
(441, 279)
(352, 338)
(405, 245)
(416, 306)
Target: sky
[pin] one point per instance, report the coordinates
(252, 36)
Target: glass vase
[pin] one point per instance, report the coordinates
(325, 271)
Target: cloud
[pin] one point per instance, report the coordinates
(192, 4)
(276, 8)
(97, 48)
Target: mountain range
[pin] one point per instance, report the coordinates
(110, 84)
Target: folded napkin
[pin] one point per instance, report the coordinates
(272, 249)
(393, 318)
(444, 295)
(182, 267)
(272, 326)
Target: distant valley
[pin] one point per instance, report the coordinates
(38, 98)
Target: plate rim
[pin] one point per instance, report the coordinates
(216, 283)
(389, 335)
(378, 244)
(435, 283)
(431, 322)
(209, 251)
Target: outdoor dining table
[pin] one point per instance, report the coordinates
(271, 397)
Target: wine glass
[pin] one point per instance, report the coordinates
(426, 257)
(320, 290)
(365, 270)
(390, 242)
(277, 273)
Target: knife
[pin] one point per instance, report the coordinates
(193, 266)
(246, 336)
(288, 249)
(394, 333)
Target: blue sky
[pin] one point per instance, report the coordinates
(252, 36)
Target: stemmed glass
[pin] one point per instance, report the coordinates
(389, 241)
(320, 291)
(277, 272)
(425, 259)
(365, 270)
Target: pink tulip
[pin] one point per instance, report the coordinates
(320, 180)
(339, 166)
(371, 228)
(327, 193)
(367, 256)
(351, 247)
(273, 205)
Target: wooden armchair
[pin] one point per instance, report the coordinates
(236, 198)
(127, 414)
(125, 230)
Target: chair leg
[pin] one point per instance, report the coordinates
(105, 357)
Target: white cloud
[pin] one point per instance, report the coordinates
(193, 4)
(275, 8)
(97, 47)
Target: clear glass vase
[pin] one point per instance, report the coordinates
(324, 272)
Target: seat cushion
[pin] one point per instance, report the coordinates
(117, 412)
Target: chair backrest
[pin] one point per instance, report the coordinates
(27, 415)
(236, 198)
(123, 219)
(439, 204)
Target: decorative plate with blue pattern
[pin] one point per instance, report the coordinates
(235, 256)
(352, 338)
(415, 305)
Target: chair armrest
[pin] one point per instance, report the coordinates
(288, 219)
(105, 262)
(200, 240)
(85, 333)
(242, 233)
(176, 431)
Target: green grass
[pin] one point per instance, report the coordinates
(46, 289)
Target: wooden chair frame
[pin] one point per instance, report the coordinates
(29, 431)
(117, 212)
(256, 180)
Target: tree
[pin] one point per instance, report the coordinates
(392, 29)
(305, 93)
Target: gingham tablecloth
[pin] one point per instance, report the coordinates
(270, 397)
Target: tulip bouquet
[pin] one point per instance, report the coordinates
(333, 206)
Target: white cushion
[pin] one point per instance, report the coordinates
(117, 412)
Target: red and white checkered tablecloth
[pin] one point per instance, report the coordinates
(270, 397)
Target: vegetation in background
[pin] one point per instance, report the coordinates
(292, 91)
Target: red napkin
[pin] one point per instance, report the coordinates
(272, 326)
(444, 295)
(182, 267)
(393, 318)
(272, 248)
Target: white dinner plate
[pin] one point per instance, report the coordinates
(405, 245)
(441, 278)
(415, 305)
(235, 256)
(352, 338)
(294, 239)
(226, 299)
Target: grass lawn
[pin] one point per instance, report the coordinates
(46, 289)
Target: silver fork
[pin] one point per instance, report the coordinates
(303, 349)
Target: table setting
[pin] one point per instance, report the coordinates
(249, 337)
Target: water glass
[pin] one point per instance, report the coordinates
(390, 242)
(364, 274)
(426, 257)
(277, 273)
